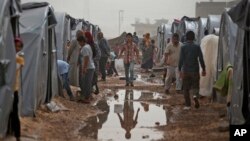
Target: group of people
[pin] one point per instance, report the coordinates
(183, 63)
(182, 60)
(86, 59)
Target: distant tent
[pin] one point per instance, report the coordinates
(174, 26)
(163, 34)
(63, 34)
(39, 75)
(240, 104)
(96, 30)
(118, 40)
(201, 29)
(78, 26)
(213, 21)
(188, 24)
(9, 15)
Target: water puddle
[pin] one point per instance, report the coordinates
(149, 79)
(127, 116)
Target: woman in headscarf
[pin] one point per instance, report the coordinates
(147, 49)
(96, 57)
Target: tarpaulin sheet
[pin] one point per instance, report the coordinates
(39, 58)
(7, 60)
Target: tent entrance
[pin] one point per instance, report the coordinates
(246, 76)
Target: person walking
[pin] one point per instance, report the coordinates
(63, 69)
(131, 53)
(147, 53)
(172, 55)
(105, 52)
(86, 70)
(96, 56)
(189, 69)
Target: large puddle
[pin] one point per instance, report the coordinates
(156, 79)
(127, 116)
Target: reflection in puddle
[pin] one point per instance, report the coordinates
(148, 79)
(127, 119)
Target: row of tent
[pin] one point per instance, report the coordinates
(198, 25)
(233, 29)
(45, 34)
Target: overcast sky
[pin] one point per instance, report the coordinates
(105, 12)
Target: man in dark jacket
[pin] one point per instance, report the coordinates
(189, 69)
(105, 52)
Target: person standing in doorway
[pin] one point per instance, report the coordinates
(14, 123)
(189, 69)
(86, 70)
(172, 55)
(105, 52)
(131, 53)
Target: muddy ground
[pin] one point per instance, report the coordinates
(160, 116)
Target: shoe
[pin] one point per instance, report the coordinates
(96, 92)
(196, 103)
(131, 84)
(187, 108)
(167, 92)
(127, 84)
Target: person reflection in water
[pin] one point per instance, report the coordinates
(128, 122)
(95, 123)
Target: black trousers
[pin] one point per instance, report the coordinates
(14, 121)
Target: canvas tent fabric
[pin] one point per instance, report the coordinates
(39, 75)
(213, 21)
(188, 24)
(209, 48)
(227, 42)
(9, 9)
(63, 34)
(201, 29)
(240, 105)
(78, 26)
(164, 33)
(174, 26)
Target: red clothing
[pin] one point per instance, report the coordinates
(130, 51)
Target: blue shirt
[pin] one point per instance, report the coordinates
(63, 67)
(190, 57)
(112, 56)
